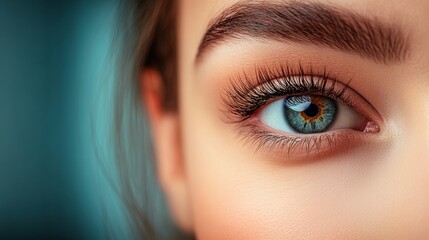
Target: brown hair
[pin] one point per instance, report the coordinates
(146, 37)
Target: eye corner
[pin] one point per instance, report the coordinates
(371, 127)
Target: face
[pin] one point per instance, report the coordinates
(301, 120)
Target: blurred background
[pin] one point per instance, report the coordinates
(52, 60)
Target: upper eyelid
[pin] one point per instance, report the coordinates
(235, 96)
(281, 95)
(243, 86)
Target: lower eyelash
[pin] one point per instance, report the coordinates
(310, 145)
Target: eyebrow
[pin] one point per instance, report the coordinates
(309, 23)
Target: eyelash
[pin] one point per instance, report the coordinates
(246, 96)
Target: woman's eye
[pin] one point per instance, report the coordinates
(306, 114)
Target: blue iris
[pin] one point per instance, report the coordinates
(310, 114)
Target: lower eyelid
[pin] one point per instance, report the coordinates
(294, 148)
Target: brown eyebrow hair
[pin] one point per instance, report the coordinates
(309, 23)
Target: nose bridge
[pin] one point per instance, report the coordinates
(411, 158)
(417, 133)
(412, 141)
(415, 151)
(419, 136)
(421, 125)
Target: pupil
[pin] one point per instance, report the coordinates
(312, 110)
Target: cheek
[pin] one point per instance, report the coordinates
(236, 194)
(235, 200)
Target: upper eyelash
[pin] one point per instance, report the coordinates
(246, 95)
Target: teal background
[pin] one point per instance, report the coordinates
(52, 60)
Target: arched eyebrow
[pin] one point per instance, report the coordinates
(309, 23)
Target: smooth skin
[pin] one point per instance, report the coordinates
(220, 187)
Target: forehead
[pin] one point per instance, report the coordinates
(194, 18)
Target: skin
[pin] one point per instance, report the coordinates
(220, 187)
